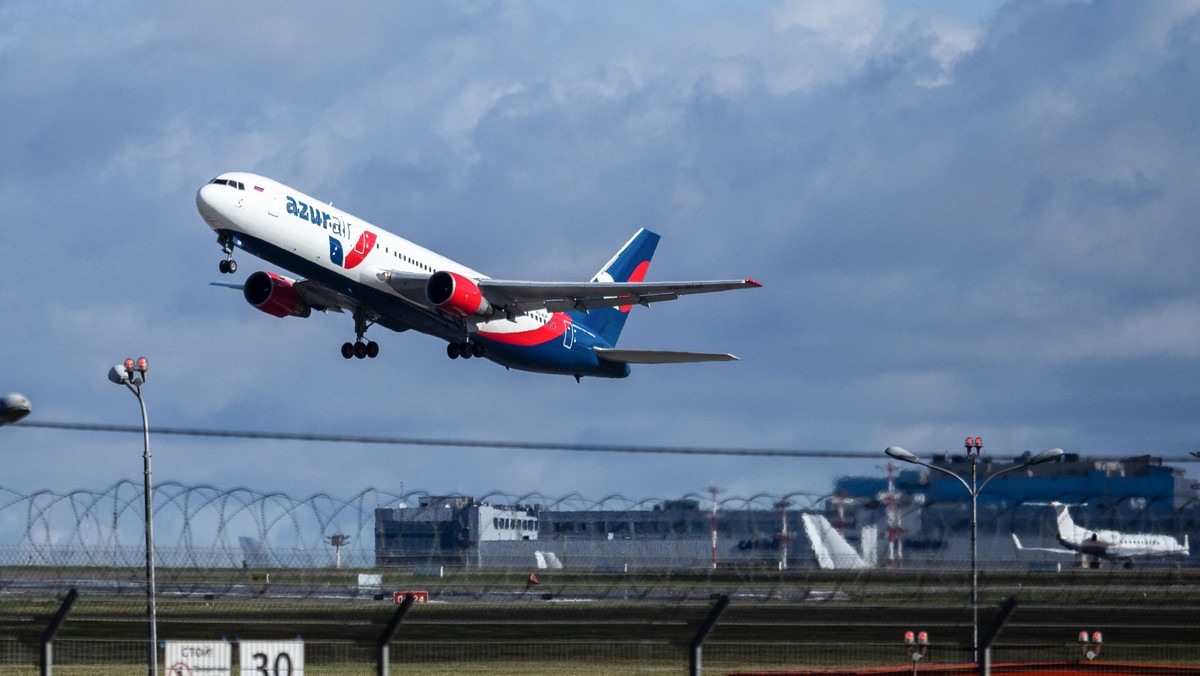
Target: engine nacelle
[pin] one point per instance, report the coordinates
(274, 295)
(457, 295)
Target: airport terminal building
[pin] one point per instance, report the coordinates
(921, 520)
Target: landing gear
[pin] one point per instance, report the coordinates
(466, 350)
(360, 348)
(227, 266)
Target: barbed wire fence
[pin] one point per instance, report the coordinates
(598, 607)
(204, 526)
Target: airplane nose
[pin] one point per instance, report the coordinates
(208, 201)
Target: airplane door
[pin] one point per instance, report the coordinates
(273, 209)
(569, 335)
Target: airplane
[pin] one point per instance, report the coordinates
(1090, 546)
(13, 407)
(351, 266)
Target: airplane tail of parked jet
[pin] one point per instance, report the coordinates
(629, 265)
(831, 549)
(1067, 530)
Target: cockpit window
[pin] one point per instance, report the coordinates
(229, 182)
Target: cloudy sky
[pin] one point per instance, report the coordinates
(969, 218)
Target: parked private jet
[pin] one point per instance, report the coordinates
(1091, 546)
(377, 277)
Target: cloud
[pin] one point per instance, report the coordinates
(961, 221)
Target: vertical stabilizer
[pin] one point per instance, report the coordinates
(868, 543)
(831, 549)
(629, 265)
(1067, 530)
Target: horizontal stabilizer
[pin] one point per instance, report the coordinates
(659, 356)
(1022, 548)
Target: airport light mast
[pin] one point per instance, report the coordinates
(974, 446)
(713, 490)
(132, 374)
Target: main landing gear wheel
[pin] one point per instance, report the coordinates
(465, 350)
(227, 266)
(360, 349)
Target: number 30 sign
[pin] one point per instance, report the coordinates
(272, 658)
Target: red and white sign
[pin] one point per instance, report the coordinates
(418, 596)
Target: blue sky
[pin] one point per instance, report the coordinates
(969, 219)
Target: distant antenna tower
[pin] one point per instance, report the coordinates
(713, 491)
(891, 497)
(840, 502)
(782, 506)
(337, 541)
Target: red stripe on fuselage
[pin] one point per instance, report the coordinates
(543, 334)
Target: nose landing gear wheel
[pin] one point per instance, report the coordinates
(228, 265)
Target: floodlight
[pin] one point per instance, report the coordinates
(900, 454)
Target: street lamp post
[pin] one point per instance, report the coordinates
(132, 374)
(975, 445)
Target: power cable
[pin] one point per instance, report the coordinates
(504, 445)
(459, 443)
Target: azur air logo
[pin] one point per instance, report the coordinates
(334, 224)
(366, 242)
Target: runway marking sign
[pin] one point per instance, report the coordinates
(418, 596)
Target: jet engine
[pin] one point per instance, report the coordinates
(274, 295)
(457, 295)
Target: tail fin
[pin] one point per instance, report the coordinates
(629, 265)
(830, 548)
(1067, 530)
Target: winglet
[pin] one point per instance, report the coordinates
(753, 283)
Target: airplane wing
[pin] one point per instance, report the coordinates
(516, 296)
(658, 356)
